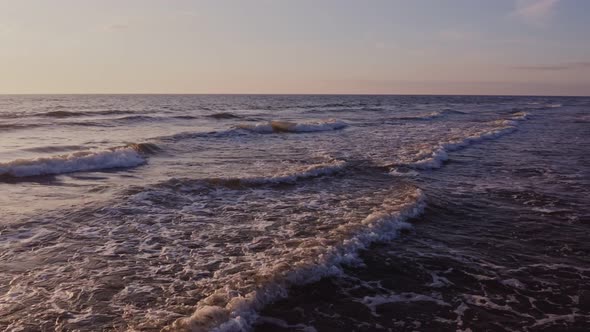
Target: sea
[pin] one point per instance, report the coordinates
(294, 213)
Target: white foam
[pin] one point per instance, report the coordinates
(329, 167)
(551, 319)
(487, 303)
(434, 158)
(433, 115)
(428, 116)
(553, 105)
(74, 162)
(398, 172)
(316, 170)
(520, 116)
(295, 127)
(237, 311)
(439, 281)
(261, 128)
(269, 127)
(515, 283)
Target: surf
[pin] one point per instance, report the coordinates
(131, 155)
(435, 157)
(229, 310)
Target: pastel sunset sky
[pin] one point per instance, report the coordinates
(305, 46)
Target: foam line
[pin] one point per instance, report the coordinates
(227, 310)
(434, 158)
(127, 156)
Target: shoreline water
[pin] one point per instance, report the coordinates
(510, 255)
(224, 220)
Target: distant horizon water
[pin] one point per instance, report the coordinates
(292, 94)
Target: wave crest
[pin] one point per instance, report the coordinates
(89, 160)
(269, 127)
(328, 168)
(518, 116)
(276, 126)
(435, 157)
(145, 148)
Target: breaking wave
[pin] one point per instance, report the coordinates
(518, 116)
(144, 148)
(315, 258)
(311, 171)
(435, 157)
(553, 105)
(276, 126)
(264, 128)
(90, 160)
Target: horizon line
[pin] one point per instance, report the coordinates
(283, 94)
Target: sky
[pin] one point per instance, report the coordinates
(507, 47)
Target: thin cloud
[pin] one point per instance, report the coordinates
(534, 11)
(555, 67)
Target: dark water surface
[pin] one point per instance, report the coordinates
(502, 246)
(281, 213)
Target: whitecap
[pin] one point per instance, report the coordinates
(435, 157)
(89, 160)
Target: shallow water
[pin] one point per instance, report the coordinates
(294, 213)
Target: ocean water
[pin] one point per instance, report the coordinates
(294, 213)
